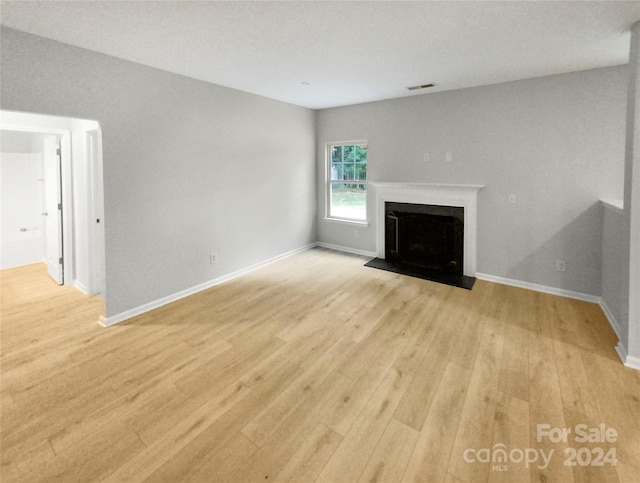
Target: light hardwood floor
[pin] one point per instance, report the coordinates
(314, 368)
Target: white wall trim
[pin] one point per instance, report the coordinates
(627, 360)
(340, 248)
(622, 352)
(632, 362)
(81, 286)
(141, 309)
(346, 222)
(540, 288)
(610, 317)
(465, 196)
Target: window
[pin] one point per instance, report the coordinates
(347, 180)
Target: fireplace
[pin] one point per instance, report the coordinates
(427, 231)
(427, 236)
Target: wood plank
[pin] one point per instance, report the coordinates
(146, 461)
(341, 412)
(514, 378)
(388, 461)
(216, 436)
(546, 407)
(429, 460)
(313, 454)
(475, 429)
(575, 387)
(260, 427)
(278, 449)
(237, 453)
(511, 432)
(415, 404)
(353, 453)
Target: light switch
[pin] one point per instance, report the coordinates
(512, 198)
(449, 156)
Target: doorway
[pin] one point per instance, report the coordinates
(66, 175)
(30, 183)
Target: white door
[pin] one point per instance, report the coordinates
(53, 208)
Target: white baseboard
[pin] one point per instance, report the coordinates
(627, 360)
(540, 288)
(622, 352)
(81, 286)
(141, 309)
(610, 317)
(340, 248)
(633, 362)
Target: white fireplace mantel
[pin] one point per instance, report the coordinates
(462, 195)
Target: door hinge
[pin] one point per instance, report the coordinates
(59, 206)
(58, 151)
(60, 260)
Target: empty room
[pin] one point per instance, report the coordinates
(320, 241)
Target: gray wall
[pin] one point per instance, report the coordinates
(189, 167)
(556, 142)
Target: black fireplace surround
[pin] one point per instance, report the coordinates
(425, 241)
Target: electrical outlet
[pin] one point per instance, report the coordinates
(213, 258)
(427, 157)
(448, 156)
(511, 198)
(561, 266)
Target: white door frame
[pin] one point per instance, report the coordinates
(53, 232)
(96, 211)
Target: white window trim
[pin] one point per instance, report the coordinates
(346, 221)
(328, 180)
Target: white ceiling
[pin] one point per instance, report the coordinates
(348, 52)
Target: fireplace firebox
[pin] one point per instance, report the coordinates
(427, 236)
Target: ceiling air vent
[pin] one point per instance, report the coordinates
(423, 86)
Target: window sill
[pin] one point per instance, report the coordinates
(346, 221)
